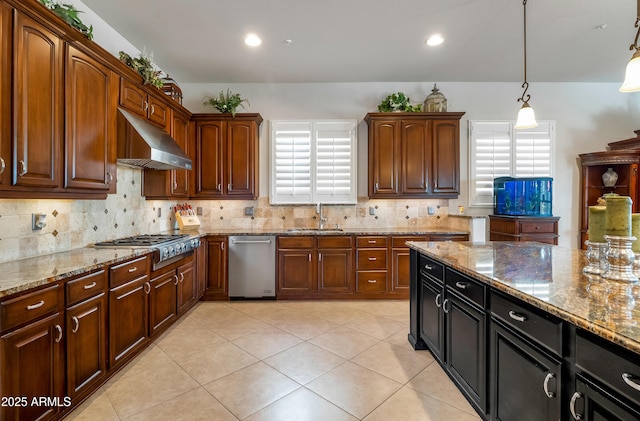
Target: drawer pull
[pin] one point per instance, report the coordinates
(572, 405)
(545, 385)
(461, 285)
(517, 317)
(438, 297)
(89, 286)
(133, 269)
(59, 329)
(372, 241)
(77, 324)
(36, 305)
(371, 281)
(427, 267)
(444, 306)
(373, 259)
(537, 227)
(627, 379)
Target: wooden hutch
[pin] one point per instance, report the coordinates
(623, 157)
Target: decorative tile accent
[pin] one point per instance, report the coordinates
(55, 233)
(54, 213)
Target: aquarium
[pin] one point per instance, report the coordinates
(530, 196)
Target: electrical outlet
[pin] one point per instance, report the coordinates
(431, 210)
(159, 212)
(372, 210)
(199, 210)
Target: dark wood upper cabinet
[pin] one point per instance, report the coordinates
(91, 100)
(226, 151)
(37, 103)
(138, 101)
(5, 96)
(414, 155)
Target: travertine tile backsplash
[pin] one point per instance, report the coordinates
(79, 223)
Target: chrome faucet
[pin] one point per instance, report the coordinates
(321, 219)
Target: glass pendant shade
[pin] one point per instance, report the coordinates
(526, 118)
(632, 75)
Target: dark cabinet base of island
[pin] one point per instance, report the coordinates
(512, 360)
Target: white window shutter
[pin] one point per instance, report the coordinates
(313, 161)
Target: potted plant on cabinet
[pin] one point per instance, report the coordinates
(398, 102)
(226, 103)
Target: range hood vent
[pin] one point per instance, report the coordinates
(141, 144)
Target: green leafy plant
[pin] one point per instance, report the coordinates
(70, 15)
(398, 102)
(145, 67)
(226, 103)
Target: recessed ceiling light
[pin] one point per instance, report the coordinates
(435, 39)
(252, 40)
(287, 41)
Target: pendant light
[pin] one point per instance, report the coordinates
(632, 75)
(526, 116)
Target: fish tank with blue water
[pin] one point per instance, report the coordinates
(522, 196)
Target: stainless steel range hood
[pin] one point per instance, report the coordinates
(141, 144)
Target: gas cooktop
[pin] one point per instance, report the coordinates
(145, 240)
(166, 247)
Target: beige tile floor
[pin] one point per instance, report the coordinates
(282, 360)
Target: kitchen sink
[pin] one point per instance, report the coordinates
(315, 230)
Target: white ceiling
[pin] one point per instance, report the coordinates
(201, 41)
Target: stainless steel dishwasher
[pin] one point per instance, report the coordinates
(252, 266)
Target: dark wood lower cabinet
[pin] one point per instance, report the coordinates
(216, 277)
(591, 403)
(187, 285)
(128, 319)
(432, 317)
(32, 368)
(162, 300)
(86, 345)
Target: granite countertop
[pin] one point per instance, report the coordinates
(24, 274)
(550, 278)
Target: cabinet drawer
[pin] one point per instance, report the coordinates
(399, 242)
(608, 363)
(529, 227)
(371, 241)
(86, 286)
(372, 259)
(125, 272)
(432, 268)
(342, 241)
(27, 308)
(295, 242)
(532, 322)
(371, 281)
(465, 286)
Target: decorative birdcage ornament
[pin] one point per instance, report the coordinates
(435, 101)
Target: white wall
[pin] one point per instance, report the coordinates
(588, 116)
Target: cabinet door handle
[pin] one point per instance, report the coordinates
(221, 246)
(109, 178)
(309, 256)
(627, 379)
(59, 329)
(89, 286)
(435, 185)
(229, 187)
(372, 259)
(176, 278)
(572, 405)
(371, 281)
(2, 166)
(517, 317)
(181, 277)
(36, 305)
(175, 185)
(444, 306)
(376, 187)
(146, 106)
(153, 109)
(147, 288)
(461, 285)
(319, 257)
(23, 168)
(545, 385)
(76, 323)
(219, 187)
(438, 297)
(133, 269)
(427, 267)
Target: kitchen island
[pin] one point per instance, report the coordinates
(524, 333)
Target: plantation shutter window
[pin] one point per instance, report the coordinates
(313, 161)
(496, 149)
